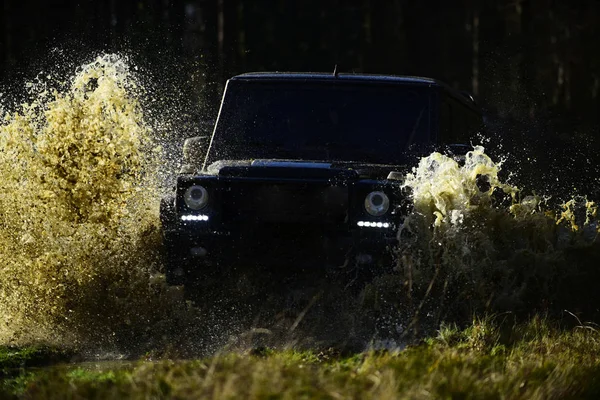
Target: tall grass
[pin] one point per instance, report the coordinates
(488, 359)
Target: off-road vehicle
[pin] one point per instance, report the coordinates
(304, 171)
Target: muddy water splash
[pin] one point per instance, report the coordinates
(447, 191)
(78, 213)
(474, 244)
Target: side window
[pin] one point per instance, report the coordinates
(453, 120)
(465, 123)
(446, 128)
(458, 124)
(475, 122)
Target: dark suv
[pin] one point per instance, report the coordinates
(306, 170)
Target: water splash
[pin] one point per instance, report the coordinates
(473, 244)
(79, 234)
(447, 191)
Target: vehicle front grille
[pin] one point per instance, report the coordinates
(307, 203)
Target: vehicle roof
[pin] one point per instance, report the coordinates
(322, 76)
(358, 78)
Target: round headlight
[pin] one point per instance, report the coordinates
(196, 197)
(377, 203)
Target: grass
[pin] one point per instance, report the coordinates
(35, 356)
(484, 360)
(16, 366)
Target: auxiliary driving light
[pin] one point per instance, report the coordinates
(199, 217)
(377, 203)
(369, 224)
(196, 197)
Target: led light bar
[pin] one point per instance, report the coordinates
(200, 217)
(369, 224)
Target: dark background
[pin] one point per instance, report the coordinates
(534, 65)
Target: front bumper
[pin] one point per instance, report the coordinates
(276, 244)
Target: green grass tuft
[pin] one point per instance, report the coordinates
(488, 359)
(32, 356)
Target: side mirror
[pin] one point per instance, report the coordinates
(396, 176)
(194, 151)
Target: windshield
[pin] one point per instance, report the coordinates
(338, 121)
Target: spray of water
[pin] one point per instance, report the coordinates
(473, 244)
(79, 238)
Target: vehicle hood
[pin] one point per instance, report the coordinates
(282, 168)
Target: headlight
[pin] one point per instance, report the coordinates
(196, 197)
(377, 203)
